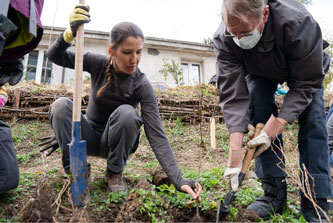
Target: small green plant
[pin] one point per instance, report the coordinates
(233, 212)
(153, 204)
(210, 180)
(151, 165)
(287, 216)
(175, 197)
(27, 181)
(6, 220)
(247, 194)
(100, 200)
(175, 128)
(53, 172)
(213, 178)
(206, 93)
(174, 69)
(31, 132)
(24, 158)
(115, 197)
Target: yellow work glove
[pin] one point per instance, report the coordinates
(3, 96)
(79, 15)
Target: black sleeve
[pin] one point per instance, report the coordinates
(156, 135)
(304, 48)
(60, 55)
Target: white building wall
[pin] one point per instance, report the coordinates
(209, 68)
(89, 46)
(151, 64)
(97, 42)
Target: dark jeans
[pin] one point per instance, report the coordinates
(312, 136)
(329, 126)
(115, 140)
(9, 169)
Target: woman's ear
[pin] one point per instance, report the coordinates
(110, 51)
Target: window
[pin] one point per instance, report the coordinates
(32, 65)
(185, 73)
(46, 71)
(153, 51)
(191, 74)
(36, 70)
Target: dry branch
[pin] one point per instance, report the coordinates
(302, 178)
(34, 101)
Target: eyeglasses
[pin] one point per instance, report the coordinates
(226, 33)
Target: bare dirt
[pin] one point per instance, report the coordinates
(44, 192)
(45, 196)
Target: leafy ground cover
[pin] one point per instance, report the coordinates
(43, 194)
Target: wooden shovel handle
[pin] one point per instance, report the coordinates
(250, 152)
(77, 96)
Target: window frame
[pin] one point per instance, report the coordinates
(190, 65)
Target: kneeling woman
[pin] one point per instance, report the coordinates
(111, 126)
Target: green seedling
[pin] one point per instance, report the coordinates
(247, 194)
(233, 212)
(101, 199)
(24, 158)
(175, 197)
(153, 204)
(28, 131)
(151, 165)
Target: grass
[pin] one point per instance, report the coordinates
(27, 181)
(155, 202)
(100, 201)
(28, 134)
(247, 193)
(24, 158)
(213, 182)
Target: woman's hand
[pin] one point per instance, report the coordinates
(195, 192)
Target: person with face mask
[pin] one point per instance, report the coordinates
(259, 45)
(111, 126)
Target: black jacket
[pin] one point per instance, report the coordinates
(126, 89)
(290, 50)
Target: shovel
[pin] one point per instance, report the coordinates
(77, 148)
(223, 207)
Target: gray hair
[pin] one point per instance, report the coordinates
(123, 30)
(242, 10)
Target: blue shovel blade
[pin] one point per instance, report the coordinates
(79, 170)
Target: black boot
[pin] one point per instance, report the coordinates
(275, 197)
(309, 211)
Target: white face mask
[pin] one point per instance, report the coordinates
(248, 41)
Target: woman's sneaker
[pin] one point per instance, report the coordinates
(115, 181)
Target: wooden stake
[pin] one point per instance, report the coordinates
(16, 103)
(212, 133)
